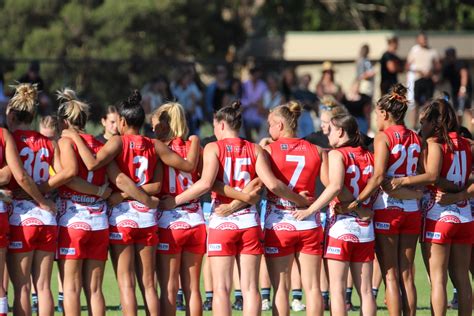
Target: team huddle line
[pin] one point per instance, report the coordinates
(139, 198)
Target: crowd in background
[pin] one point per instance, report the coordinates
(266, 88)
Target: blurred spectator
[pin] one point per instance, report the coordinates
(456, 72)
(188, 95)
(365, 72)
(328, 108)
(155, 93)
(422, 65)
(309, 102)
(271, 98)
(109, 122)
(327, 84)
(359, 105)
(233, 93)
(289, 82)
(33, 76)
(216, 91)
(390, 65)
(252, 102)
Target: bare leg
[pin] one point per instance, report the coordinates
(377, 276)
(190, 275)
(311, 267)
(222, 270)
(72, 271)
(93, 275)
(145, 262)
(438, 259)
(42, 270)
(362, 276)
(387, 253)
(279, 269)
(124, 258)
(168, 272)
(338, 271)
(249, 267)
(19, 267)
(461, 277)
(407, 250)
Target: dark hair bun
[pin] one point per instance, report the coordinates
(134, 99)
(399, 90)
(236, 105)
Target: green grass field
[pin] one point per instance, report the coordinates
(112, 295)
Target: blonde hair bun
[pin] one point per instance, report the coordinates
(24, 99)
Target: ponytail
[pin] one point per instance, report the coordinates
(132, 111)
(443, 116)
(72, 110)
(290, 112)
(231, 114)
(395, 103)
(349, 124)
(23, 103)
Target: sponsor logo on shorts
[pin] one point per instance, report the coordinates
(271, 250)
(227, 226)
(115, 236)
(163, 246)
(15, 245)
(450, 219)
(433, 235)
(139, 207)
(179, 225)
(382, 225)
(32, 222)
(284, 227)
(67, 251)
(127, 223)
(214, 247)
(334, 250)
(80, 225)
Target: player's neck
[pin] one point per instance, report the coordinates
(132, 131)
(391, 123)
(230, 134)
(288, 134)
(21, 127)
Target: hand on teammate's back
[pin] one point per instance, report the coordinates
(50, 206)
(167, 203)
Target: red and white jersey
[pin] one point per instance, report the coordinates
(96, 177)
(3, 205)
(456, 168)
(296, 162)
(37, 153)
(174, 183)
(359, 166)
(236, 168)
(405, 148)
(137, 160)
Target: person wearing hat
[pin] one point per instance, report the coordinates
(327, 85)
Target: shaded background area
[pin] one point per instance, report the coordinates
(103, 48)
